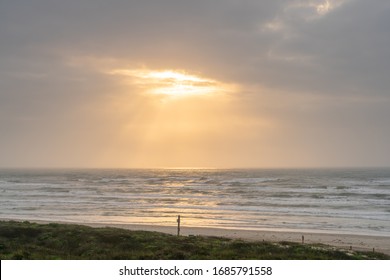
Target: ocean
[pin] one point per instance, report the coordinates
(354, 201)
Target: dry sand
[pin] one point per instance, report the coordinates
(343, 241)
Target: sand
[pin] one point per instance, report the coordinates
(342, 241)
(339, 240)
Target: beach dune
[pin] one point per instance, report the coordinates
(339, 240)
(354, 242)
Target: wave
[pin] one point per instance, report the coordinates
(320, 199)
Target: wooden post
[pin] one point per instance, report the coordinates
(303, 239)
(178, 225)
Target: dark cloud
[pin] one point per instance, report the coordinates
(335, 62)
(342, 52)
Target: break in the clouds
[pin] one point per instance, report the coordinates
(305, 83)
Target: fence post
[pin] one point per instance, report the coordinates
(178, 225)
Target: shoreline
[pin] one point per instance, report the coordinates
(341, 241)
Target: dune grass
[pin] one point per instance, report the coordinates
(24, 240)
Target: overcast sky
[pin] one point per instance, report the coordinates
(298, 83)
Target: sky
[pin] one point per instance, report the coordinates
(206, 83)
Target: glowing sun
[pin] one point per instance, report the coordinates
(172, 82)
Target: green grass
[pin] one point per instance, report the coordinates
(24, 240)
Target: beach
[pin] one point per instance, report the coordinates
(340, 207)
(341, 241)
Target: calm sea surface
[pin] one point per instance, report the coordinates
(327, 200)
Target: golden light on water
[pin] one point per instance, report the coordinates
(173, 83)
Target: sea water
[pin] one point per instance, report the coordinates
(320, 200)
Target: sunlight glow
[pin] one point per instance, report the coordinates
(327, 6)
(324, 8)
(172, 82)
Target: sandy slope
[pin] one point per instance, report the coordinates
(344, 241)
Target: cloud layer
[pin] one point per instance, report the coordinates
(312, 78)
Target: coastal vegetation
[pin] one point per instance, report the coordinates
(25, 240)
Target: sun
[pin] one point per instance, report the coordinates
(179, 84)
(173, 83)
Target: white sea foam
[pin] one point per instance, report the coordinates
(353, 201)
